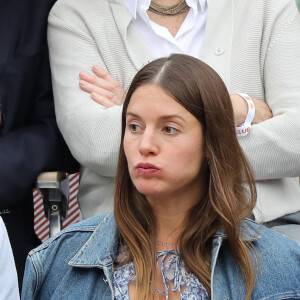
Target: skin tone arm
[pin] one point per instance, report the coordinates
(107, 91)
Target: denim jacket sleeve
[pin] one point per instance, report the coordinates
(73, 264)
(30, 280)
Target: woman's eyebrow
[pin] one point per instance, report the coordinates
(163, 117)
(133, 115)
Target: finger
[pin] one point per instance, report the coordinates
(102, 73)
(106, 83)
(93, 79)
(102, 100)
(91, 88)
(109, 82)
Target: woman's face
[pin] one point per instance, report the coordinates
(163, 144)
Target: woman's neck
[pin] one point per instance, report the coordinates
(170, 213)
(169, 228)
(167, 3)
(172, 23)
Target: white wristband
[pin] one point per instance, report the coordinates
(244, 129)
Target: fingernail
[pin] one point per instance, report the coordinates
(83, 74)
(82, 83)
(98, 69)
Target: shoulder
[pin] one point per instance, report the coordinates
(85, 15)
(49, 269)
(266, 6)
(55, 253)
(265, 12)
(273, 252)
(273, 249)
(276, 263)
(81, 8)
(75, 235)
(61, 5)
(277, 260)
(268, 238)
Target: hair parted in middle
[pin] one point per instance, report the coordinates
(230, 193)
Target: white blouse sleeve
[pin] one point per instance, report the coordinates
(8, 276)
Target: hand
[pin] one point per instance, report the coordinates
(104, 89)
(240, 109)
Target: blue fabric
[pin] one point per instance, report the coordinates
(77, 263)
(172, 270)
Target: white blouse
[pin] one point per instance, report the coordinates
(189, 37)
(8, 276)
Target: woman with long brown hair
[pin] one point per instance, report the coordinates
(182, 193)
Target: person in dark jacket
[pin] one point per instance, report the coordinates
(30, 141)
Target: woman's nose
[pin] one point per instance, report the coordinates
(149, 143)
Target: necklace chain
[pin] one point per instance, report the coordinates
(165, 244)
(169, 11)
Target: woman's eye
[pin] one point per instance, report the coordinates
(170, 130)
(134, 127)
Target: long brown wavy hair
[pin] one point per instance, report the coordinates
(230, 193)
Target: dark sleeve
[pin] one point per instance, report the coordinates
(36, 145)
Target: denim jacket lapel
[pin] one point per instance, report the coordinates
(101, 247)
(247, 234)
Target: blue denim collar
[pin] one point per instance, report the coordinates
(100, 249)
(246, 232)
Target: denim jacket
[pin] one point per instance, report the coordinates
(77, 263)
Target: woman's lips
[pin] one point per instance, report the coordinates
(147, 169)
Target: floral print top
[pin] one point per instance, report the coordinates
(172, 270)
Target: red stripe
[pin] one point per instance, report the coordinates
(39, 216)
(37, 199)
(73, 198)
(41, 225)
(70, 214)
(71, 221)
(73, 184)
(73, 205)
(44, 228)
(73, 180)
(38, 219)
(44, 236)
(36, 207)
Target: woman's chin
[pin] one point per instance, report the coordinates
(148, 190)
